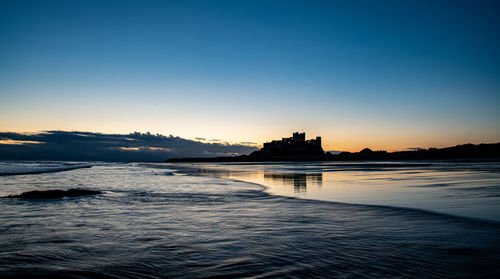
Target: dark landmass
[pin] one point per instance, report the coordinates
(298, 149)
(464, 151)
(55, 194)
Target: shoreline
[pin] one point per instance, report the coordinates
(265, 189)
(407, 192)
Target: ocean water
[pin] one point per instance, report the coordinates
(463, 189)
(300, 220)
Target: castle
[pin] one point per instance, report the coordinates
(295, 148)
(297, 145)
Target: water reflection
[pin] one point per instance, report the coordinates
(258, 174)
(186, 226)
(299, 181)
(469, 190)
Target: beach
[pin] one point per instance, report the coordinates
(205, 221)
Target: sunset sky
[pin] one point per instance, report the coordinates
(381, 74)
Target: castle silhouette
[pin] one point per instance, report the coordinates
(295, 146)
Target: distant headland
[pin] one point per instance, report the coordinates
(297, 148)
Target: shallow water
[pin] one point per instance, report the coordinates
(463, 189)
(153, 224)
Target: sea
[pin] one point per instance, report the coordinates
(433, 219)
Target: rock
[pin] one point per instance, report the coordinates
(55, 194)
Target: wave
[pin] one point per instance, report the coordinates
(24, 170)
(424, 176)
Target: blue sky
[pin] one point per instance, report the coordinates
(383, 74)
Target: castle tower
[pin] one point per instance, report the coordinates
(299, 137)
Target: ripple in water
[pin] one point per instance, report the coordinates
(179, 226)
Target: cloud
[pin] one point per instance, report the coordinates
(87, 146)
(247, 143)
(9, 141)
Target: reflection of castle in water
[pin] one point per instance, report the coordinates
(299, 181)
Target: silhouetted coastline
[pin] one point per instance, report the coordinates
(488, 151)
(298, 149)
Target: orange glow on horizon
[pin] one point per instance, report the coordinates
(351, 141)
(18, 142)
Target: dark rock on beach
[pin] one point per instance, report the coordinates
(55, 194)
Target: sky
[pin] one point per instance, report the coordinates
(387, 75)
